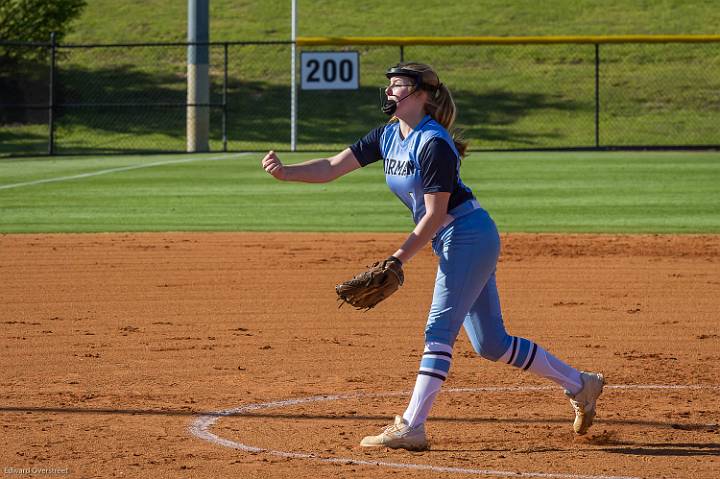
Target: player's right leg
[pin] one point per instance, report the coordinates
(484, 326)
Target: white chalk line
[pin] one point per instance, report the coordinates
(200, 429)
(118, 169)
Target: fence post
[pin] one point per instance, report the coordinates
(198, 77)
(224, 98)
(597, 95)
(51, 99)
(293, 76)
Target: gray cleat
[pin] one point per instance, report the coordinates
(399, 436)
(584, 402)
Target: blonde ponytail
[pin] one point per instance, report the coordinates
(441, 107)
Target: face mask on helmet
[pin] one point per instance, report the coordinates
(389, 106)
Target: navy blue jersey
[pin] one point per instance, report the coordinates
(424, 162)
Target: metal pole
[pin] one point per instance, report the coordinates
(51, 99)
(224, 98)
(597, 95)
(198, 76)
(293, 80)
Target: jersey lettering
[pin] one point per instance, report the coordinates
(426, 161)
(399, 168)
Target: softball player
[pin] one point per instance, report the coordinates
(421, 161)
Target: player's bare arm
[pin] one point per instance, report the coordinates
(321, 170)
(436, 205)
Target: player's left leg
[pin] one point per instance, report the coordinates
(408, 430)
(467, 251)
(468, 256)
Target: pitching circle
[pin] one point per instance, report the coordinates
(201, 426)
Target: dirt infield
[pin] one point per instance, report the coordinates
(113, 347)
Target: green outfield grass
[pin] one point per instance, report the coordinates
(670, 192)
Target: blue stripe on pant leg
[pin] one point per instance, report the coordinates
(440, 366)
(514, 349)
(523, 350)
(532, 357)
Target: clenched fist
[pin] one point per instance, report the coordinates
(272, 164)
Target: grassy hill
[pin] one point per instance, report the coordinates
(531, 96)
(165, 20)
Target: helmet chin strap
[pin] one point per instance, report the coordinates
(389, 106)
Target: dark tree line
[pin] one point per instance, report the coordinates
(23, 69)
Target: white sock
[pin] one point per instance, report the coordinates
(529, 356)
(548, 366)
(426, 388)
(434, 368)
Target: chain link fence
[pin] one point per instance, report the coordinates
(80, 99)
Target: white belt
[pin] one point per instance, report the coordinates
(461, 210)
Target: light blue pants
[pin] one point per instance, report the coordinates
(465, 291)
